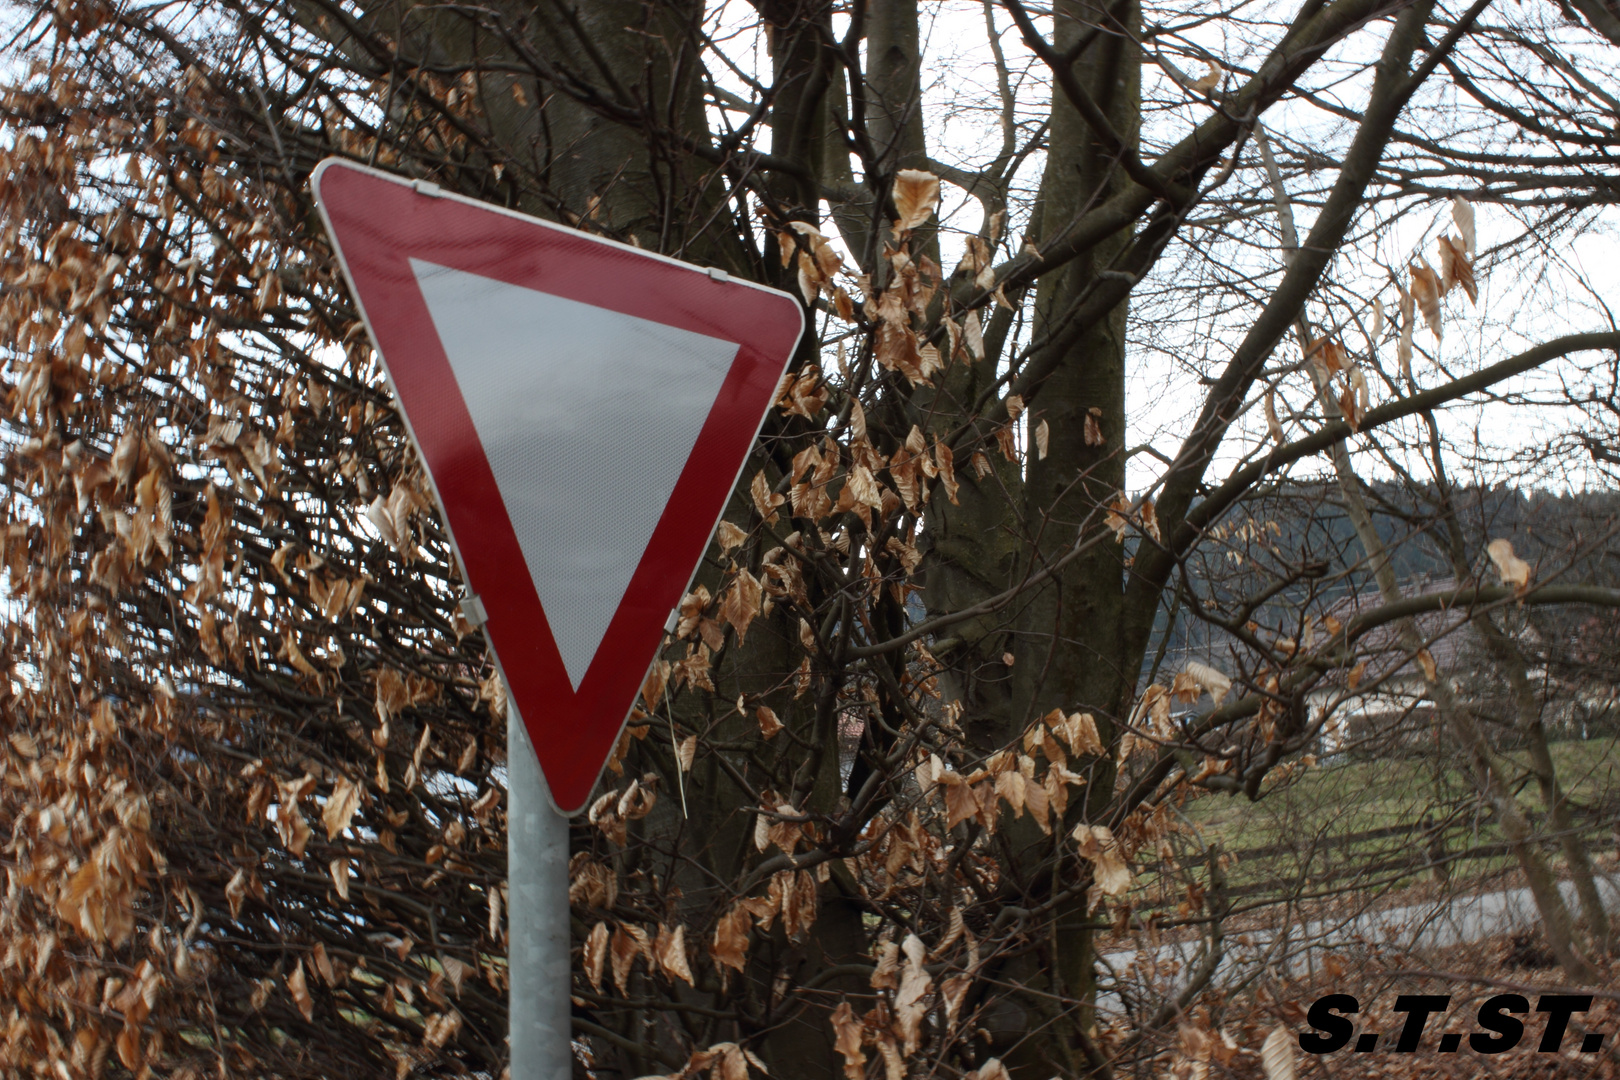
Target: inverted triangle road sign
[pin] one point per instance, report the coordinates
(584, 410)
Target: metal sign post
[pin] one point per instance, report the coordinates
(536, 917)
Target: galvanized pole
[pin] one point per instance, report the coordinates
(536, 917)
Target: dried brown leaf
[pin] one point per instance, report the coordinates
(1513, 570)
(671, 953)
(742, 601)
(298, 986)
(339, 869)
(729, 536)
(1347, 408)
(1462, 212)
(1403, 349)
(236, 891)
(992, 1069)
(945, 461)
(1150, 518)
(1098, 846)
(1277, 1054)
(960, 801)
(323, 964)
(1273, 425)
(1210, 80)
(1328, 354)
(910, 1000)
(973, 335)
(1455, 269)
(340, 806)
(594, 958)
(765, 500)
(1211, 680)
(730, 945)
(847, 1041)
(1080, 731)
(916, 194)
(1093, 427)
(1426, 292)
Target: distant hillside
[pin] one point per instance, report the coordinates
(1303, 526)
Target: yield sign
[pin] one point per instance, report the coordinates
(584, 409)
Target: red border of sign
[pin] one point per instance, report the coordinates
(377, 223)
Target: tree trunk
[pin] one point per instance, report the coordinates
(1486, 767)
(1510, 664)
(1068, 650)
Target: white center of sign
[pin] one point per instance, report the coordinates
(545, 379)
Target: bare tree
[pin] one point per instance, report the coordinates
(919, 720)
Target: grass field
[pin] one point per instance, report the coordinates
(1321, 822)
